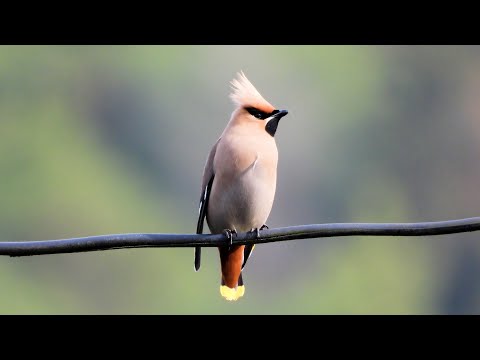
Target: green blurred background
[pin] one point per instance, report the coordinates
(112, 139)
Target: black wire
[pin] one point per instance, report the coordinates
(123, 241)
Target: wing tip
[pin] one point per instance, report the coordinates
(198, 252)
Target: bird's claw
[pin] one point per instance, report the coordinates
(257, 230)
(229, 234)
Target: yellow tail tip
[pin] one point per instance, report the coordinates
(232, 294)
(240, 291)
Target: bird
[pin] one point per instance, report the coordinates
(239, 181)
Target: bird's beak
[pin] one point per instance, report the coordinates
(281, 113)
(277, 115)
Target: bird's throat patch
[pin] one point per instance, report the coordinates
(271, 126)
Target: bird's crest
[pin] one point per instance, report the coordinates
(244, 94)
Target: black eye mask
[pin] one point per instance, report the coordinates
(257, 113)
(272, 125)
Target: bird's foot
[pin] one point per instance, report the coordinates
(257, 230)
(229, 234)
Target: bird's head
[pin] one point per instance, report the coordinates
(252, 109)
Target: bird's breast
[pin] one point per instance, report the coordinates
(244, 187)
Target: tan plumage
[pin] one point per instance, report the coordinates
(239, 179)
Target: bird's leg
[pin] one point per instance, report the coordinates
(229, 234)
(257, 230)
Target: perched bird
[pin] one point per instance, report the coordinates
(239, 180)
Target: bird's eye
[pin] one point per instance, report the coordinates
(257, 113)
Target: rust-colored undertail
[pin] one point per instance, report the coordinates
(231, 286)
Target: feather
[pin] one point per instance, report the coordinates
(244, 94)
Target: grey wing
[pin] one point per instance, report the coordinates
(207, 181)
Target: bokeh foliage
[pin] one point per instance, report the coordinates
(113, 139)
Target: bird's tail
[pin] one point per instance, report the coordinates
(235, 293)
